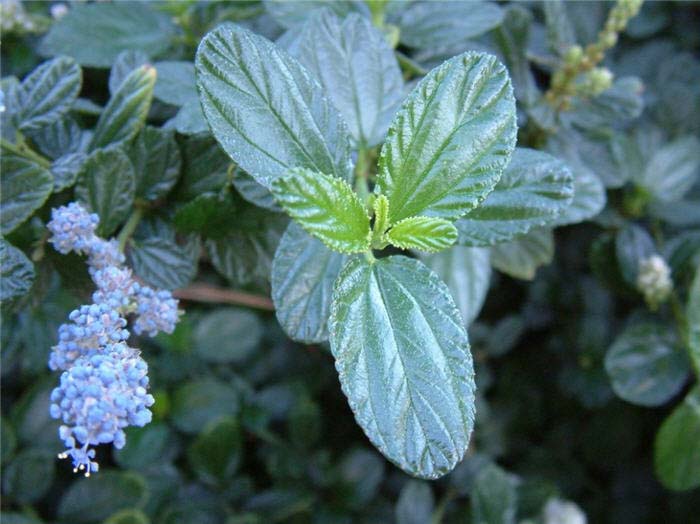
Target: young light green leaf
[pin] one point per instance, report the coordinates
(404, 363)
(645, 365)
(535, 189)
(677, 445)
(356, 68)
(451, 140)
(672, 170)
(94, 34)
(494, 497)
(303, 273)
(424, 233)
(106, 185)
(326, 207)
(16, 270)
(521, 257)
(156, 160)
(692, 312)
(24, 187)
(126, 111)
(265, 110)
(467, 273)
(48, 92)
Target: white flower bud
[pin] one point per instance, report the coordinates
(558, 511)
(654, 280)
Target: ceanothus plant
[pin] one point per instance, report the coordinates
(448, 172)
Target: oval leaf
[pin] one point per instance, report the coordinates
(521, 257)
(16, 270)
(404, 363)
(451, 140)
(264, 108)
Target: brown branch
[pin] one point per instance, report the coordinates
(199, 292)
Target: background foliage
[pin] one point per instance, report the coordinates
(585, 379)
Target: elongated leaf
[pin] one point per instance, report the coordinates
(520, 258)
(106, 185)
(677, 446)
(430, 24)
(265, 110)
(467, 273)
(425, 233)
(645, 364)
(156, 160)
(404, 363)
(303, 273)
(24, 187)
(534, 190)
(124, 64)
(672, 170)
(326, 207)
(357, 70)
(48, 93)
(94, 34)
(16, 270)
(451, 140)
(126, 111)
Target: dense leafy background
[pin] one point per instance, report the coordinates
(258, 430)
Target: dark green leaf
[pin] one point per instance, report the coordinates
(672, 170)
(29, 476)
(199, 402)
(125, 114)
(254, 192)
(326, 207)
(404, 363)
(535, 189)
(494, 497)
(303, 273)
(128, 516)
(424, 233)
(416, 503)
(692, 313)
(633, 245)
(677, 446)
(156, 160)
(96, 498)
(106, 185)
(356, 68)
(645, 364)
(123, 65)
(209, 214)
(520, 258)
(216, 453)
(451, 140)
(95, 34)
(48, 93)
(227, 335)
(65, 170)
(60, 138)
(24, 187)
(467, 273)
(265, 110)
(363, 470)
(175, 83)
(146, 446)
(204, 167)
(16, 272)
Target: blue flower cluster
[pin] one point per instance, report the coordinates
(104, 385)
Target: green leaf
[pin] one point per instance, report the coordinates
(356, 68)
(433, 24)
(66, 169)
(48, 92)
(227, 335)
(404, 363)
(520, 258)
(534, 190)
(159, 259)
(589, 198)
(128, 516)
(362, 471)
(123, 65)
(303, 273)
(16, 272)
(632, 245)
(672, 170)
(677, 445)
(106, 185)
(204, 167)
(416, 503)
(692, 313)
(189, 120)
(217, 451)
(156, 160)
(467, 273)
(621, 103)
(59, 138)
(494, 497)
(29, 476)
(125, 114)
(95, 34)
(326, 207)
(176, 83)
(146, 446)
(199, 402)
(645, 365)
(265, 110)
(24, 187)
(451, 140)
(424, 233)
(96, 498)
(254, 192)
(290, 13)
